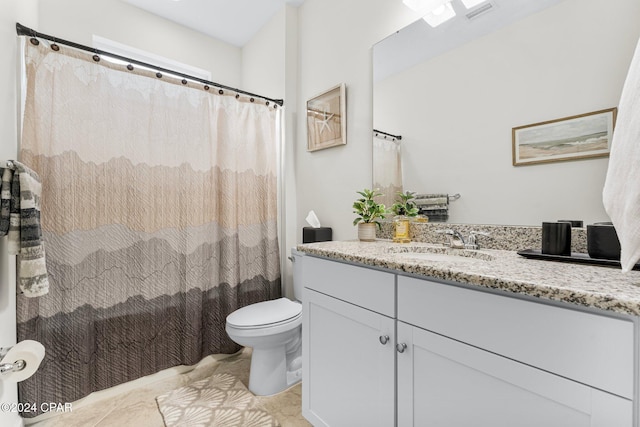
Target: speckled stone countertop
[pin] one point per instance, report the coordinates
(507, 237)
(583, 285)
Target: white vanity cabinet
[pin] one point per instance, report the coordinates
(348, 347)
(456, 356)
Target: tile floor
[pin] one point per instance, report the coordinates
(138, 407)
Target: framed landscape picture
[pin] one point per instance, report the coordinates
(570, 138)
(326, 119)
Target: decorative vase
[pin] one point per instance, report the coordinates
(401, 229)
(420, 219)
(367, 232)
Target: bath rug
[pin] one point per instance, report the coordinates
(221, 400)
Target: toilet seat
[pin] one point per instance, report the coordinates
(266, 314)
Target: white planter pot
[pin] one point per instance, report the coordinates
(367, 231)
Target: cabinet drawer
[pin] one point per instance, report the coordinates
(364, 287)
(593, 349)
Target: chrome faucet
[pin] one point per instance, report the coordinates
(453, 235)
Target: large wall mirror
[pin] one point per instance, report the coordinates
(454, 93)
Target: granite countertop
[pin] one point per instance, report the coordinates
(604, 288)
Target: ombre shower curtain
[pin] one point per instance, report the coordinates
(158, 214)
(387, 169)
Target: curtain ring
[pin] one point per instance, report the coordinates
(34, 41)
(251, 99)
(159, 75)
(54, 46)
(184, 81)
(96, 58)
(221, 92)
(237, 95)
(206, 87)
(267, 103)
(129, 67)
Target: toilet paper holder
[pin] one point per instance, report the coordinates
(16, 366)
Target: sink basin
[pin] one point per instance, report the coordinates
(440, 254)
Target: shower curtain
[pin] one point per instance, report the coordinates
(158, 215)
(387, 169)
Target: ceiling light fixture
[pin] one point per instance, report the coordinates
(424, 6)
(434, 12)
(471, 3)
(440, 15)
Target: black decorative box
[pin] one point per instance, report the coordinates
(312, 234)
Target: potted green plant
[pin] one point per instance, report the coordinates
(369, 213)
(404, 208)
(405, 205)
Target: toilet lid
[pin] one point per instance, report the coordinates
(265, 313)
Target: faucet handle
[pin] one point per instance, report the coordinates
(445, 231)
(479, 233)
(450, 233)
(472, 242)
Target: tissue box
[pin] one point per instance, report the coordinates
(312, 235)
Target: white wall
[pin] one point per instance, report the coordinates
(24, 11)
(455, 112)
(269, 68)
(289, 218)
(327, 42)
(263, 59)
(79, 20)
(335, 40)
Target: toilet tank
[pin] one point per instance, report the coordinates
(297, 258)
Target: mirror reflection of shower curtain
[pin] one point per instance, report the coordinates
(159, 217)
(387, 169)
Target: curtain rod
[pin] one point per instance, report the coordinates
(385, 134)
(26, 31)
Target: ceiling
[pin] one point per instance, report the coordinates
(232, 21)
(419, 41)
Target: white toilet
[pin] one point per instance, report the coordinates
(273, 329)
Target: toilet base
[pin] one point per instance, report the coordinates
(268, 371)
(275, 369)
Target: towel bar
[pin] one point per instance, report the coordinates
(9, 164)
(450, 197)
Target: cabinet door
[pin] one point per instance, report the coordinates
(588, 348)
(442, 382)
(348, 373)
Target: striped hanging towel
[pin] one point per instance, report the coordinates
(20, 221)
(5, 200)
(434, 206)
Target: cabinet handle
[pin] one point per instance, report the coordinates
(401, 347)
(384, 339)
